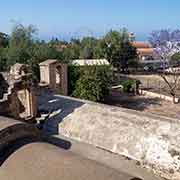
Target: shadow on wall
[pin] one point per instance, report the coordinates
(13, 107)
(61, 143)
(56, 108)
(3, 86)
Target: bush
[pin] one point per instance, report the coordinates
(90, 82)
(73, 74)
(130, 86)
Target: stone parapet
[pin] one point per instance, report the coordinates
(153, 141)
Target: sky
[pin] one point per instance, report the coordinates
(72, 18)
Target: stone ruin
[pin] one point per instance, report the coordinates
(17, 93)
(17, 97)
(54, 76)
(149, 140)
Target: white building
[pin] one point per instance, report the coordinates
(90, 62)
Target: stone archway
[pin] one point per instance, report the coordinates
(54, 75)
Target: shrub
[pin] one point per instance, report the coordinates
(130, 86)
(90, 82)
(73, 75)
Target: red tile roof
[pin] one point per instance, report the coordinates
(145, 51)
(139, 45)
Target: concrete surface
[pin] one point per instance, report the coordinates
(11, 132)
(151, 140)
(8, 122)
(111, 160)
(40, 161)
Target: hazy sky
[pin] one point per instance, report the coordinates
(64, 18)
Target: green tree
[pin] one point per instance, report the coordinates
(117, 48)
(100, 50)
(3, 62)
(86, 53)
(23, 48)
(175, 59)
(4, 40)
(87, 47)
(21, 41)
(72, 51)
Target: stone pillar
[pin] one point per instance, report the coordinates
(48, 73)
(23, 103)
(44, 74)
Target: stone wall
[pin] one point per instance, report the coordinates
(152, 140)
(157, 95)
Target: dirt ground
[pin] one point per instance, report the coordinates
(155, 83)
(144, 103)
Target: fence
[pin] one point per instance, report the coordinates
(157, 89)
(154, 86)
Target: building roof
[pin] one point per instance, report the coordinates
(48, 62)
(139, 45)
(145, 51)
(90, 62)
(143, 48)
